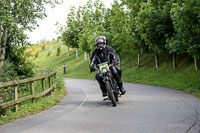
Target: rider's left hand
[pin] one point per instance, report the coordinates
(92, 69)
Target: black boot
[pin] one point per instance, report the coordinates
(103, 90)
(102, 85)
(121, 88)
(117, 75)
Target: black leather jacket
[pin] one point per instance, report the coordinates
(106, 55)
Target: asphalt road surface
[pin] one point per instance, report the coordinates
(144, 109)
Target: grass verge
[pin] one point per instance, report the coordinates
(28, 108)
(183, 78)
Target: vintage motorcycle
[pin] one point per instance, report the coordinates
(110, 83)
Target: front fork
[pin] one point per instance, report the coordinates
(113, 83)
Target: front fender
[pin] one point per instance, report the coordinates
(106, 78)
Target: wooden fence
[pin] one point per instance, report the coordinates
(32, 95)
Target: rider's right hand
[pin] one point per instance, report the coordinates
(92, 69)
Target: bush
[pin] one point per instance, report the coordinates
(7, 72)
(49, 53)
(21, 65)
(43, 46)
(37, 54)
(58, 51)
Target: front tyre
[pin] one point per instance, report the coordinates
(116, 96)
(110, 93)
(116, 91)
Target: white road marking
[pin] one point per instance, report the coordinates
(78, 106)
(84, 99)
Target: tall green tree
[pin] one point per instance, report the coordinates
(72, 29)
(88, 27)
(16, 16)
(136, 42)
(186, 20)
(154, 26)
(119, 27)
(93, 18)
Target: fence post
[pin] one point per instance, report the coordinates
(50, 83)
(43, 86)
(55, 76)
(32, 91)
(16, 97)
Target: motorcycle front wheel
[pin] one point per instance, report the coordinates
(110, 93)
(116, 96)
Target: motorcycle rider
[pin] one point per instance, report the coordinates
(101, 54)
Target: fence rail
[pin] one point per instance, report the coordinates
(32, 95)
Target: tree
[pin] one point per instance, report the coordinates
(88, 27)
(16, 17)
(92, 24)
(185, 16)
(154, 26)
(72, 29)
(135, 40)
(119, 27)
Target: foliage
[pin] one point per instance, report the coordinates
(28, 108)
(152, 23)
(119, 28)
(17, 16)
(37, 54)
(58, 51)
(49, 53)
(163, 76)
(21, 65)
(186, 20)
(7, 72)
(168, 26)
(70, 33)
(84, 25)
(43, 46)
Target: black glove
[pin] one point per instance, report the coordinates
(114, 62)
(92, 69)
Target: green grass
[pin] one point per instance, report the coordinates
(75, 68)
(27, 108)
(183, 78)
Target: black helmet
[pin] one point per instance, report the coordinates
(100, 39)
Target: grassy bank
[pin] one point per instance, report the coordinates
(28, 108)
(183, 78)
(46, 59)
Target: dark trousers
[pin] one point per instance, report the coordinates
(116, 72)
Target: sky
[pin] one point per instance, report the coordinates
(47, 29)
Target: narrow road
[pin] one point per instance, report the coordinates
(144, 109)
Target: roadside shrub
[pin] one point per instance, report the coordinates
(58, 51)
(43, 46)
(8, 72)
(49, 53)
(17, 56)
(37, 54)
